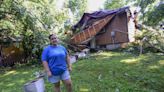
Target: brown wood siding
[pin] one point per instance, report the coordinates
(91, 31)
(119, 25)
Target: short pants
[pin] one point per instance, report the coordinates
(63, 76)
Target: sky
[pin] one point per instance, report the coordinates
(93, 5)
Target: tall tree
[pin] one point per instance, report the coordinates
(22, 19)
(33, 20)
(151, 11)
(77, 7)
(113, 4)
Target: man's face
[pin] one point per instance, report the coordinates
(53, 39)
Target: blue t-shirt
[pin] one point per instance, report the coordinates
(56, 58)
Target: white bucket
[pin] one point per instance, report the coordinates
(35, 86)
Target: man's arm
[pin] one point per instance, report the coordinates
(46, 67)
(68, 62)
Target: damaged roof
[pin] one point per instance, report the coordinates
(87, 17)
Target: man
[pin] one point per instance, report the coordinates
(56, 63)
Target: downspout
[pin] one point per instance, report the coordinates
(113, 36)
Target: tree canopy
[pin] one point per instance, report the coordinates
(33, 20)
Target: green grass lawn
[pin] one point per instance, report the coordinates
(101, 72)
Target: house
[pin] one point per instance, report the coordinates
(107, 29)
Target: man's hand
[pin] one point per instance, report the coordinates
(49, 73)
(70, 68)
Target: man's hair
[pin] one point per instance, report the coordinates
(50, 36)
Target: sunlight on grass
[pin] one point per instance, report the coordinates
(11, 84)
(153, 67)
(107, 54)
(10, 72)
(22, 81)
(161, 62)
(25, 72)
(104, 55)
(130, 61)
(84, 90)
